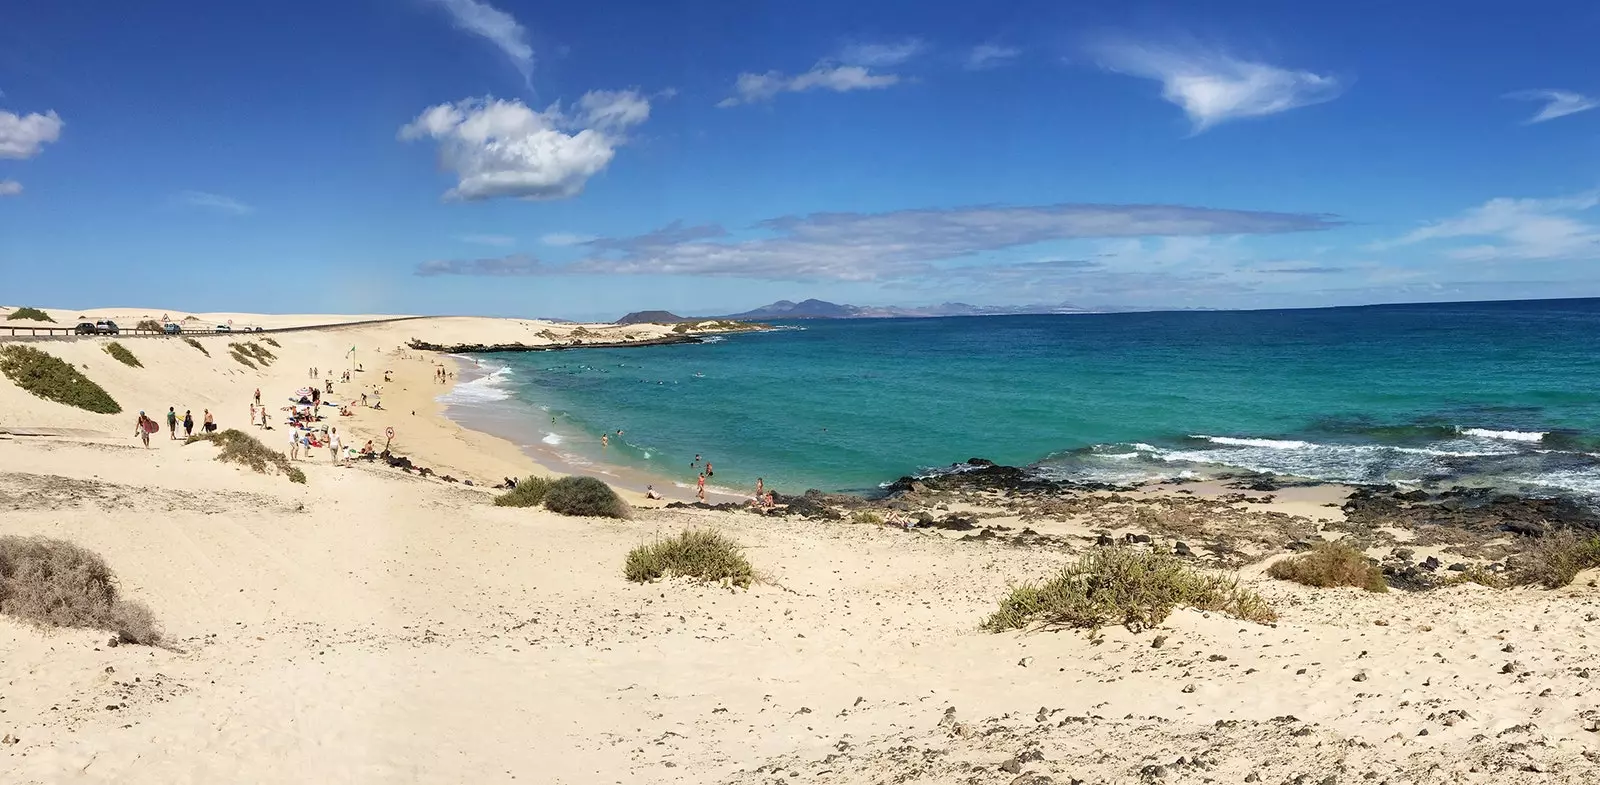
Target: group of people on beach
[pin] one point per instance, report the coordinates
(144, 426)
(441, 375)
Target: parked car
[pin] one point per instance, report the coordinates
(171, 329)
(223, 328)
(258, 329)
(84, 328)
(106, 327)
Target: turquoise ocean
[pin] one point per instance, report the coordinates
(1502, 394)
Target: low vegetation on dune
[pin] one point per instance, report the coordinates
(58, 584)
(150, 324)
(275, 344)
(122, 355)
(197, 345)
(699, 554)
(33, 314)
(1556, 559)
(585, 496)
(1137, 589)
(529, 492)
(1331, 564)
(249, 353)
(236, 446)
(54, 379)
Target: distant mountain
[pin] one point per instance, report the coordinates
(658, 317)
(821, 309)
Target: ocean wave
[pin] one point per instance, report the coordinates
(1274, 444)
(1513, 436)
(552, 438)
(713, 339)
(485, 389)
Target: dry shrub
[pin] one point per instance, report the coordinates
(585, 496)
(196, 344)
(1331, 564)
(275, 344)
(1556, 559)
(55, 583)
(150, 324)
(54, 379)
(699, 554)
(866, 516)
(529, 492)
(1477, 574)
(236, 446)
(1136, 589)
(243, 360)
(122, 355)
(29, 313)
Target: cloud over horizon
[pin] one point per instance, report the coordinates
(500, 148)
(894, 246)
(1525, 229)
(498, 27)
(1557, 103)
(1213, 87)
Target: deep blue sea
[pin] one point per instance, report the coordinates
(1505, 394)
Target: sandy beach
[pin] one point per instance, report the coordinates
(376, 626)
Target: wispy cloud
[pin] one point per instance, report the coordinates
(502, 148)
(1557, 103)
(985, 56)
(902, 245)
(1515, 229)
(500, 28)
(1213, 87)
(499, 240)
(849, 69)
(23, 136)
(882, 55)
(10, 188)
(564, 239)
(502, 267)
(217, 202)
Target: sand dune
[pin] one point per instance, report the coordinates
(371, 626)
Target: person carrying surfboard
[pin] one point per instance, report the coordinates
(144, 427)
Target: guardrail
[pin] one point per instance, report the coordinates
(31, 331)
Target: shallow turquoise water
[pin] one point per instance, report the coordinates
(1497, 393)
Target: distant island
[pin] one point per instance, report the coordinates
(822, 309)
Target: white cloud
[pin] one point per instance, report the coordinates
(1213, 87)
(564, 239)
(499, 27)
(755, 88)
(908, 245)
(10, 188)
(499, 240)
(881, 54)
(23, 136)
(217, 202)
(1557, 103)
(506, 266)
(502, 148)
(1515, 229)
(990, 56)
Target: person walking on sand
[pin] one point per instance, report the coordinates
(334, 446)
(188, 423)
(258, 396)
(700, 491)
(172, 422)
(210, 425)
(145, 427)
(294, 445)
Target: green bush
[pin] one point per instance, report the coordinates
(29, 313)
(585, 496)
(1556, 559)
(54, 379)
(275, 344)
(1331, 564)
(251, 353)
(122, 354)
(703, 555)
(55, 583)
(528, 493)
(197, 345)
(243, 360)
(236, 446)
(866, 516)
(1136, 589)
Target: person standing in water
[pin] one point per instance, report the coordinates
(605, 441)
(708, 468)
(759, 487)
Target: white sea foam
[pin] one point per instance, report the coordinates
(485, 389)
(1513, 436)
(1275, 444)
(551, 438)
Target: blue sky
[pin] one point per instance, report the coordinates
(539, 159)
